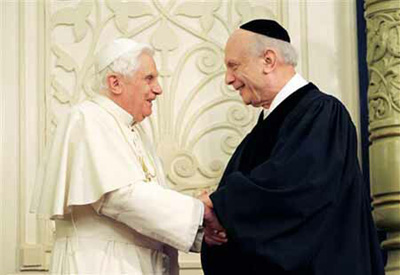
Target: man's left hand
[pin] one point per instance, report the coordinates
(214, 233)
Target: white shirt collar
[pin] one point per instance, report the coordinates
(295, 83)
(114, 109)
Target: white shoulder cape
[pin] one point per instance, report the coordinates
(89, 140)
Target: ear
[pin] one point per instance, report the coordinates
(114, 83)
(269, 60)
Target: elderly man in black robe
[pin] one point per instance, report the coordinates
(292, 198)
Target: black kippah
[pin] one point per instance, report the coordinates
(268, 28)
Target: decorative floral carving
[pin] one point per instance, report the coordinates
(248, 12)
(76, 17)
(378, 108)
(164, 38)
(64, 60)
(393, 79)
(394, 40)
(60, 93)
(124, 10)
(203, 10)
(383, 57)
(377, 38)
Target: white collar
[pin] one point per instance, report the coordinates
(295, 83)
(114, 109)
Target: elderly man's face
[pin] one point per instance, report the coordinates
(244, 70)
(142, 88)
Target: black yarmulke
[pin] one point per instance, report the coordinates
(268, 28)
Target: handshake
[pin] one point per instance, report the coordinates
(214, 233)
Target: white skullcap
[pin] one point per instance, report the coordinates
(115, 49)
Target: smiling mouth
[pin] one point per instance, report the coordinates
(240, 89)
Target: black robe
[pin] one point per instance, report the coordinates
(292, 198)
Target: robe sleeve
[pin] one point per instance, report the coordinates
(156, 212)
(280, 210)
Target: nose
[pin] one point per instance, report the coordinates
(229, 78)
(157, 89)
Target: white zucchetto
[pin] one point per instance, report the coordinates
(115, 49)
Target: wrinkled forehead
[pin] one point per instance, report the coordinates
(146, 62)
(237, 46)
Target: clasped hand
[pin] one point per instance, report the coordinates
(214, 233)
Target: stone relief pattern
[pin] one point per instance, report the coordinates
(383, 57)
(187, 118)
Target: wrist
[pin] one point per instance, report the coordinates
(208, 213)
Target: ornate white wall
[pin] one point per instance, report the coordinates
(47, 54)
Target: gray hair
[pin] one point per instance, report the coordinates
(126, 65)
(286, 49)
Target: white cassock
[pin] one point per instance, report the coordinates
(105, 189)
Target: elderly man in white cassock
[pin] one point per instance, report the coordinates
(104, 186)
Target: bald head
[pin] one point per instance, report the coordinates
(256, 44)
(256, 66)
